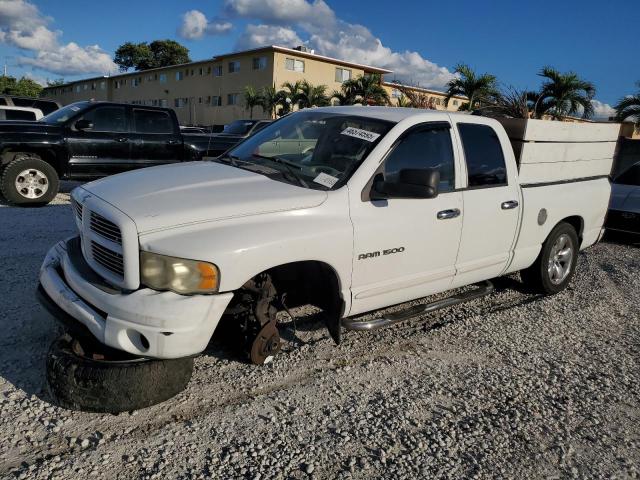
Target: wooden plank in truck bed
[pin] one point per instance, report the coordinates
(552, 152)
(531, 130)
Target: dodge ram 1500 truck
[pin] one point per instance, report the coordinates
(368, 207)
(88, 140)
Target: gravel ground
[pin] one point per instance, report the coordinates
(509, 386)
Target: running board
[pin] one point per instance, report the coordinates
(483, 288)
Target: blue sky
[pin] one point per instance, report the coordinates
(420, 40)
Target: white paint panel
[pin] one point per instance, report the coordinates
(565, 152)
(555, 172)
(555, 131)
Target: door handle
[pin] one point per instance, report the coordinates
(509, 205)
(122, 139)
(447, 214)
(172, 142)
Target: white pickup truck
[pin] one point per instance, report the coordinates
(351, 209)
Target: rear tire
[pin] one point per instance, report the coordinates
(29, 181)
(555, 266)
(127, 383)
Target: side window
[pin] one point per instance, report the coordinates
(631, 176)
(483, 154)
(107, 119)
(150, 121)
(19, 115)
(428, 148)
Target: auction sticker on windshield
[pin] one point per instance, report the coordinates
(326, 180)
(361, 134)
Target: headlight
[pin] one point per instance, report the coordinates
(179, 275)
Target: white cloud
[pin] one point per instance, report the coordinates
(261, 35)
(195, 25)
(294, 22)
(23, 26)
(602, 111)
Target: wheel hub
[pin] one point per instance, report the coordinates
(560, 259)
(32, 183)
(266, 344)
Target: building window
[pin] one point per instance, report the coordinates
(234, 66)
(438, 101)
(116, 85)
(103, 85)
(199, 99)
(343, 74)
(77, 88)
(233, 99)
(455, 103)
(216, 101)
(179, 75)
(93, 86)
(200, 70)
(136, 82)
(180, 102)
(163, 78)
(294, 64)
(217, 71)
(260, 63)
(164, 103)
(86, 86)
(208, 70)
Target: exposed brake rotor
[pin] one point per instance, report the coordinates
(266, 344)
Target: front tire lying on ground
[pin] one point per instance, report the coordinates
(555, 266)
(29, 180)
(79, 379)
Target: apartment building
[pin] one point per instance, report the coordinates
(210, 92)
(434, 98)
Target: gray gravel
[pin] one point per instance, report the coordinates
(510, 386)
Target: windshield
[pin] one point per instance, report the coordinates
(317, 150)
(239, 127)
(64, 114)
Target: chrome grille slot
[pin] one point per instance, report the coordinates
(77, 208)
(105, 228)
(109, 259)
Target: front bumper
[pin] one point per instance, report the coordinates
(143, 322)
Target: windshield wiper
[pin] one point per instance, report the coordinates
(287, 165)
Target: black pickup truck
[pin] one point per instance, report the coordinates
(87, 140)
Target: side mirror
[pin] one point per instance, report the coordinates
(83, 125)
(411, 183)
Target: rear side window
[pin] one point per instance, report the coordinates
(426, 148)
(483, 154)
(19, 115)
(151, 121)
(46, 107)
(3, 101)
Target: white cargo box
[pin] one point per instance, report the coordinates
(553, 151)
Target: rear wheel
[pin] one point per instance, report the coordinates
(29, 180)
(555, 266)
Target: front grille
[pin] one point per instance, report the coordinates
(105, 228)
(77, 208)
(109, 259)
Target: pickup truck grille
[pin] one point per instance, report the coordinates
(105, 228)
(109, 259)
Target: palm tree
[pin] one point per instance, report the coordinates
(252, 99)
(563, 94)
(629, 108)
(292, 92)
(477, 88)
(270, 99)
(347, 94)
(403, 101)
(312, 95)
(509, 102)
(366, 89)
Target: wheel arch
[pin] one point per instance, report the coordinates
(577, 222)
(46, 154)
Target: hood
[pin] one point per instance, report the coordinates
(25, 126)
(180, 194)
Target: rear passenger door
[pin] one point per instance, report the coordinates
(491, 201)
(156, 139)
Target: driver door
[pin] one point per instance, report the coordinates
(103, 149)
(406, 248)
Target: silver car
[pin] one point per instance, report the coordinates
(624, 209)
